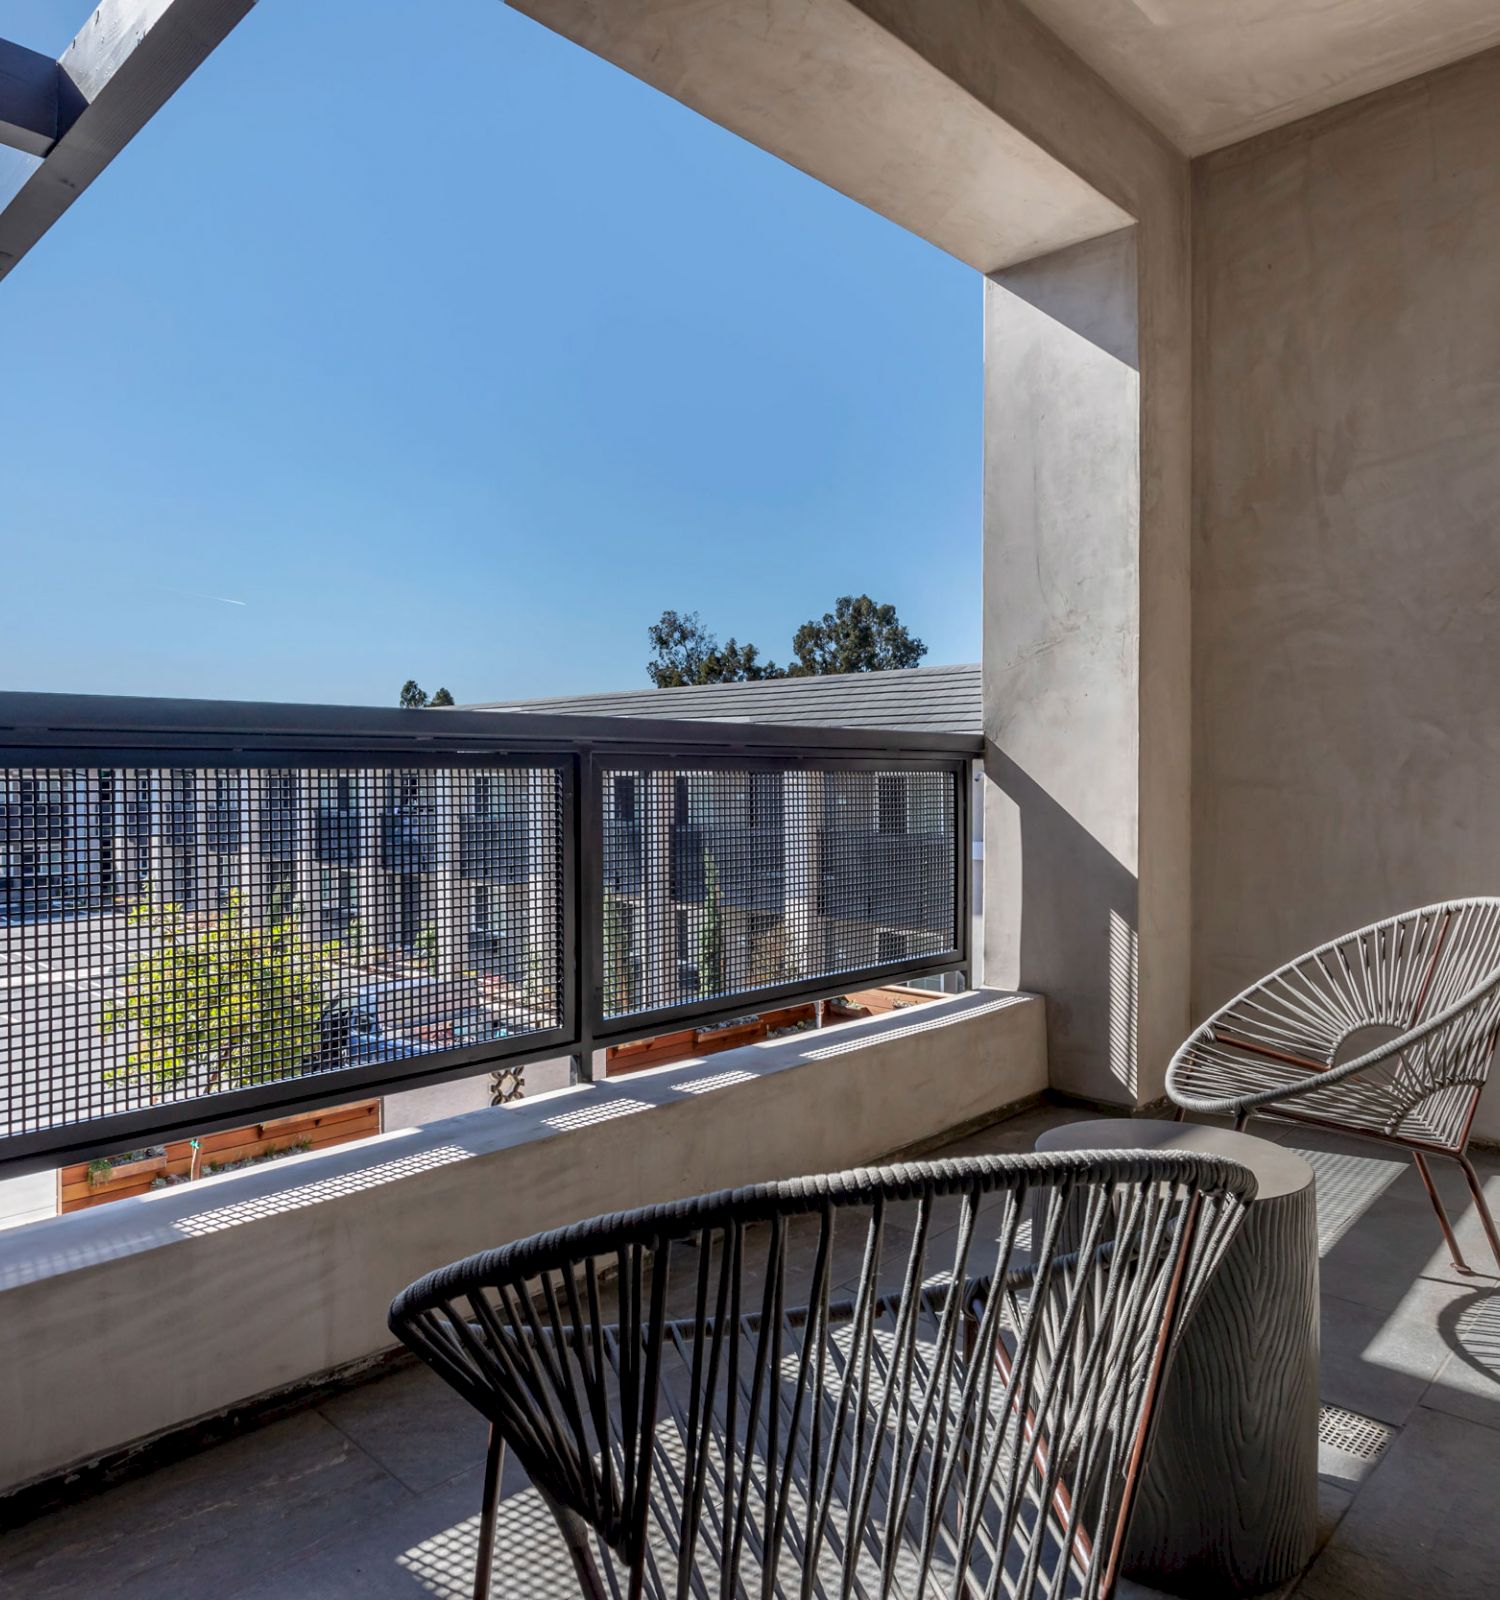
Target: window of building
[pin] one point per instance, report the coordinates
(224, 879)
(336, 898)
(890, 803)
(488, 911)
(335, 791)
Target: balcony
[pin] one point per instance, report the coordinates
(278, 832)
(365, 1465)
(369, 1486)
(884, 878)
(1238, 611)
(177, 823)
(408, 840)
(222, 831)
(336, 837)
(622, 856)
(494, 849)
(749, 863)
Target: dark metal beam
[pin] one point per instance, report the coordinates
(36, 104)
(128, 61)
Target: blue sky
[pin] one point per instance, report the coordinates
(449, 351)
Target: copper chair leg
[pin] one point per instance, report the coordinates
(1481, 1205)
(1442, 1215)
(494, 1463)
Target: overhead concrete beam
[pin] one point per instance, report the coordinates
(128, 61)
(831, 90)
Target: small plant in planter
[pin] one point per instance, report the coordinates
(103, 1168)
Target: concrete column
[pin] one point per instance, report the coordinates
(205, 868)
(1085, 658)
(160, 890)
(451, 797)
(304, 859)
(539, 908)
(253, 867)
(802, 818)
(81, 878)
(372, 886)
(656, 929)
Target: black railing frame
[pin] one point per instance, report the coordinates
(38, 730)
(644, 759)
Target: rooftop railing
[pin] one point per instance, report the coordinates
(484, 889)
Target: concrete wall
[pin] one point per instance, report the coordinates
(1346, 570)
(127, 1319)
(1062, 669)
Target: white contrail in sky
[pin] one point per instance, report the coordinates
(223, 600)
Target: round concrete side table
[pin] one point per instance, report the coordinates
(1228, 1501)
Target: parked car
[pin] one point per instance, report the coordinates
(408, 1017)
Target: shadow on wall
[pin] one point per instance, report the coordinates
(1075, 938)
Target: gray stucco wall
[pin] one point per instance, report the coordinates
(1346, 575)
(1061, 667)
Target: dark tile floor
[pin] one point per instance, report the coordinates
(375, 1493)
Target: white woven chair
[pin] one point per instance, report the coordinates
(1387, 1032)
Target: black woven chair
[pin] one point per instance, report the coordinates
(917, 1380)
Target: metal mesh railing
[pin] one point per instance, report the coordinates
(174, 933)
(213, 912)
(722, 882)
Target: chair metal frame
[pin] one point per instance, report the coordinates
(1431, 977)
(979, 1429)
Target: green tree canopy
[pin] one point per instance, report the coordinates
(856, 636)
(220, 1004)
(684, 652)
(415, 698)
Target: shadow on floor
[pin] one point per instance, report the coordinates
(375, 1492)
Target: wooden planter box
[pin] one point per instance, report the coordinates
(892, 997)
(789, 1016)
(124, 1172)
(686, 1044)
(317, 1129)
(711, 1041)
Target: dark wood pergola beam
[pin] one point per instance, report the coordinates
(78, 113)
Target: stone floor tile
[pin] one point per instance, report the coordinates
(413, 1424)
(1379, 1360)
(1424, 1524)
(1468, 1383)
(205, 1525)
(425, 1548)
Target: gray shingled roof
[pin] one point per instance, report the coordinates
(921, 699)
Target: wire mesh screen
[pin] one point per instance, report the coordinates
(169, 933)
(721, 882)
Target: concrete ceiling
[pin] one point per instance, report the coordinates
(1210, 72)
